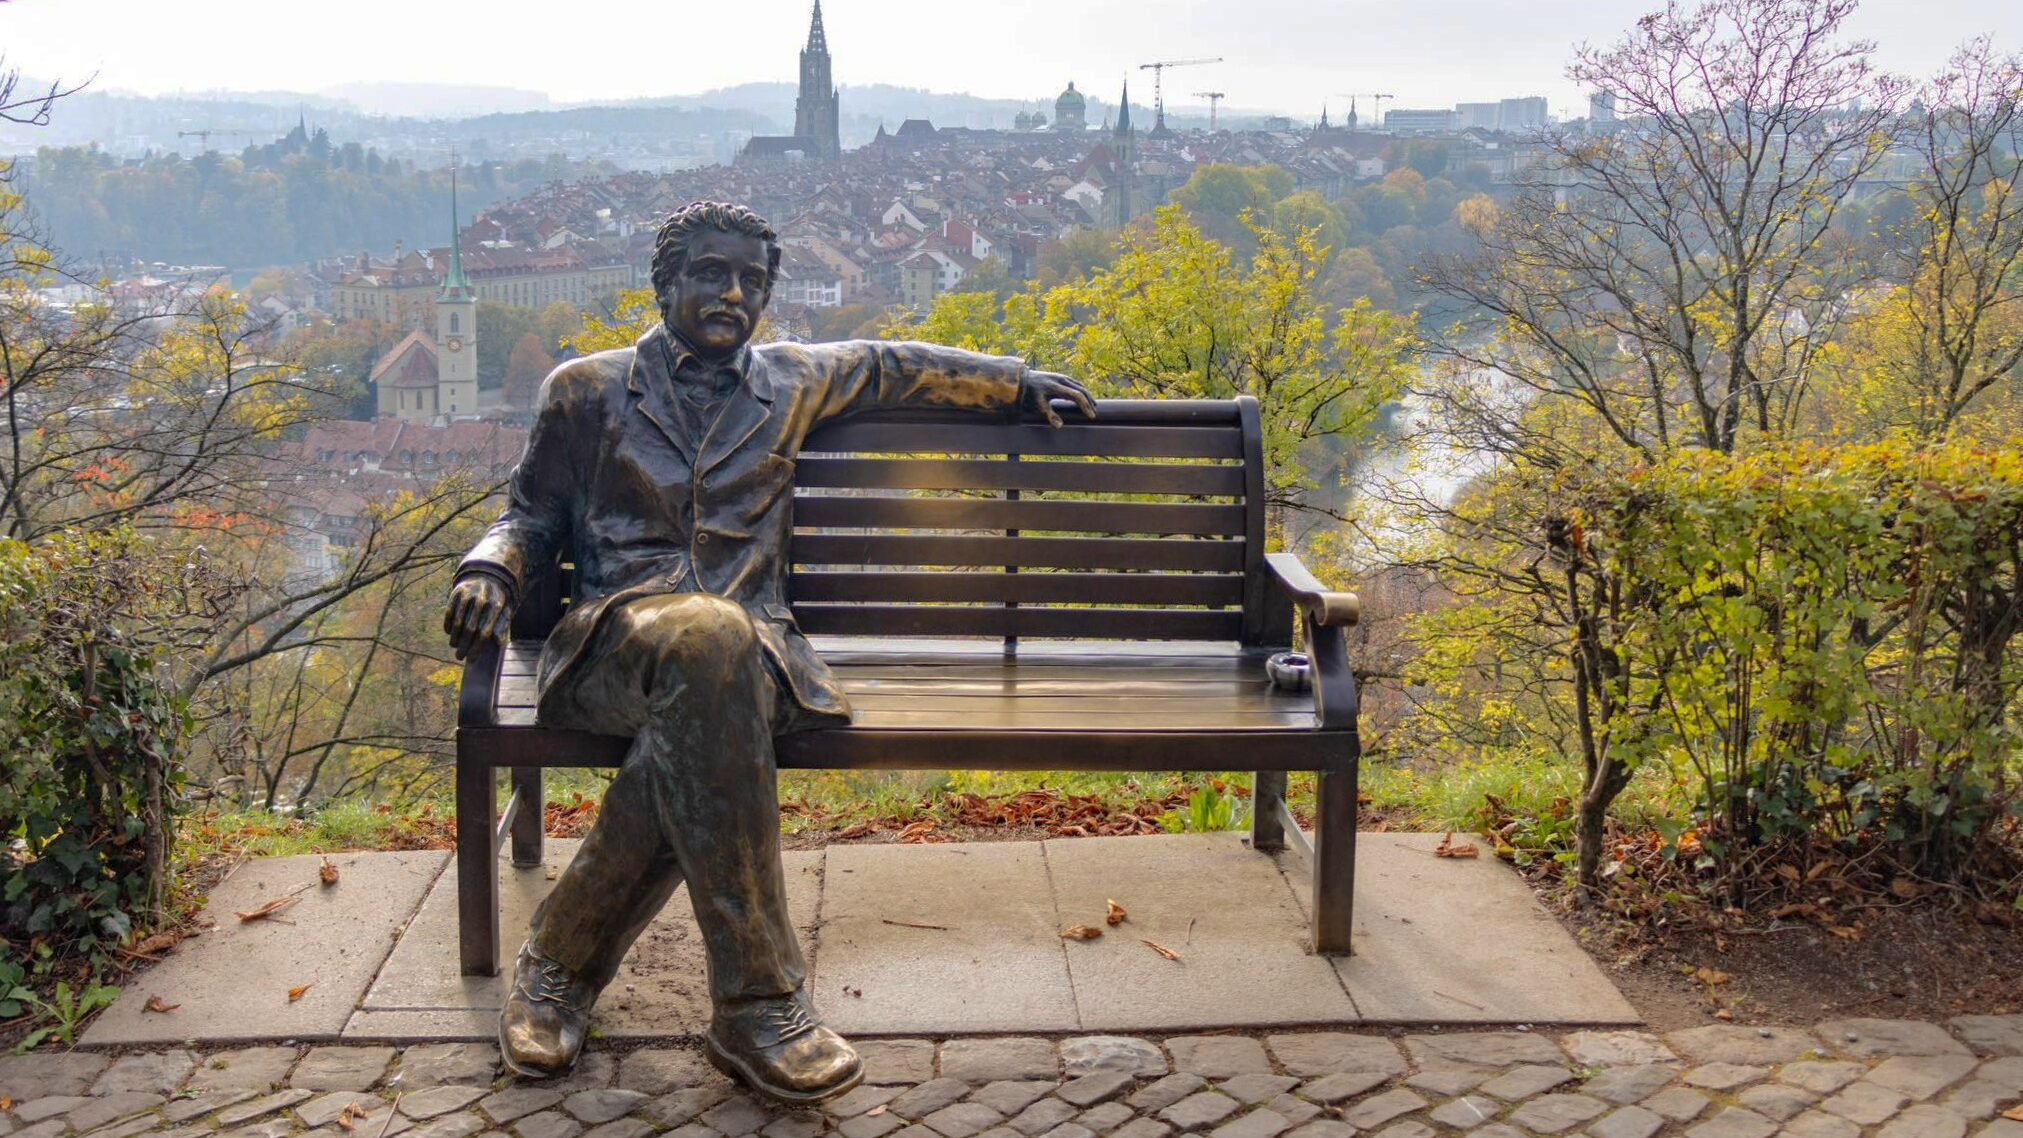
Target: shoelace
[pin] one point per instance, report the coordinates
(551, 982)
(788, 1019)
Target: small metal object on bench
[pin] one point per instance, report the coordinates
(1126, 555)
(1290, 671)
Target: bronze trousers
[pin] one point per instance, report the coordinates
(696, 797)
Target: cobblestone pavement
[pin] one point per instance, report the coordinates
(1842, 1079)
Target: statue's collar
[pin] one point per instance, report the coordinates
(666, 348)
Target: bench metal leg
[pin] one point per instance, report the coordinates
(527, 824)
(477, 872)
(1334, 859)
(1267, 832)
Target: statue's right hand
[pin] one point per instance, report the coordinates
(480, 610)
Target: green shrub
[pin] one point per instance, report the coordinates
(91, 729)
(1817, 645)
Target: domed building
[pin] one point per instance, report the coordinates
(1071, 111)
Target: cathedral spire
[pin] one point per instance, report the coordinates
(1124, 110)
(817, 118)
(455, 287)
(817, 39)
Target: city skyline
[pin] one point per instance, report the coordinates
(1280, 55)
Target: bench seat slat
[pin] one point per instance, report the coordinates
(1191, 479)
(1111, 748)
(1107, 693)
(1027, 514)
(897, 655)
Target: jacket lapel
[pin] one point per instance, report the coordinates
(652, 388)
(749, 407)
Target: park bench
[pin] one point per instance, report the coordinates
(1005, 595)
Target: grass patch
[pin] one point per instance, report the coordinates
(331, 828)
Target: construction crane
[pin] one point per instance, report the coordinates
(1158, 97)
(205, 135)
(1376, 97)
(1213, 97)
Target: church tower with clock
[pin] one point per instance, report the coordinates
(456, 331)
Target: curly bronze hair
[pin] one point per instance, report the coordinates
(670, 245)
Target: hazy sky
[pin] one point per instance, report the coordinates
(1280, 54)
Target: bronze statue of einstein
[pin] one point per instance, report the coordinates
(664, 473)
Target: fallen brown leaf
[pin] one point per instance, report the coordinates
(1905, 888)
(917, 832)
(1844, 932)
(1116, 913)
(856, 831)
(295, 994)
(327, 873)
(6, 1104)
(1724, 1014)
(2014, 1113)
(1080, 932)
(1159, 948)
(1711, 976)
(159, 942)
(269, 908)
(155, 1004)
(1788, 872)
(1448, 847)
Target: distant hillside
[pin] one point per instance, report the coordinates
(437, 100)
(421, 121)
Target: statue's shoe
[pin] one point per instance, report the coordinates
(780, 1049)
(546, 1017)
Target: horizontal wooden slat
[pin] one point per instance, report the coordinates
(858, 436)
(931, 652)
(1190, 518)
(1024, 588)
(1029, 552)
(1048, 683)
(1003, 474)
(1036, 748)
(1122, 687)
(900, 656)
(961, 620)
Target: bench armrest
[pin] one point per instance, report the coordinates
(1326, 613)
(478, 698)
(1325, 607)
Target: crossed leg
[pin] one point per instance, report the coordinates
(697, 797)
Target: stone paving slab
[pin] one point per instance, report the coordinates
(661, 989)
(1459, 940)
(1438, 941)
(1224, 909)
(1026, 1087)
(996, 964)
(232, 982)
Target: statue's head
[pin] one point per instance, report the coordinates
(713, 270)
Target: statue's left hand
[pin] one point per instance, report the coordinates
(1043, 387)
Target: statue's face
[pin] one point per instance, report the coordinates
(720, 292)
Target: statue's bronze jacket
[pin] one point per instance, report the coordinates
(610, 483)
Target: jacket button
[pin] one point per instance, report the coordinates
(702, 538)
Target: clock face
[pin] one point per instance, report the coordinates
(455, 344)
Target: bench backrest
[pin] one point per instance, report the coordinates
(1147, 523)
